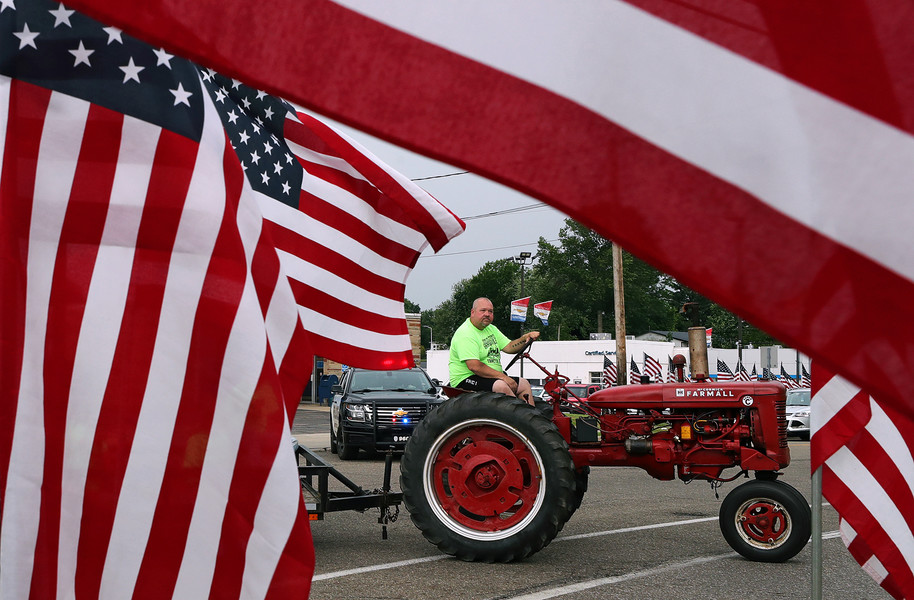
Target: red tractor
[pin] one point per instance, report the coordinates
(490, 478)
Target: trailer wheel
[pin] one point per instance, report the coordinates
(488, 478)
(766, 521)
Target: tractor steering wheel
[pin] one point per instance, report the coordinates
(519, 354)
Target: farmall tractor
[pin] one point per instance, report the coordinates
(490, 478)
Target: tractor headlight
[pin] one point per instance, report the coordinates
(360, 413)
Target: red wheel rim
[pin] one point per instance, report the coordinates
(486, 478)
(763, 523)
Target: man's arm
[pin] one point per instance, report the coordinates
(515, 346)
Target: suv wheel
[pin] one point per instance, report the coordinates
(343, 449)
(332, 440)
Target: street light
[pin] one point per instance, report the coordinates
(431, 344)
(522, 259)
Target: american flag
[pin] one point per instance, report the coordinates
(634, 375)
(153, 350)
(867, 469)
(670, 371)
(839, 68)
(787, 380)
(723, 371)
(754, 375)
(768, 374)
(805, 379)
(609, 372)
(652, 368)
(741, 374)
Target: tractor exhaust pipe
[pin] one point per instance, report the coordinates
(698, 353)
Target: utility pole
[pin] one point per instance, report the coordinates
(619, 303)
(739, 344)
(522, 259)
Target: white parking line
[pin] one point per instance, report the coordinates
(586, 585)
(393, 565)
(582, 536)
(416, 561)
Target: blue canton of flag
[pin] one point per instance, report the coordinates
(60, 49)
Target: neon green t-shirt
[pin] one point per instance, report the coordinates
(469, 343)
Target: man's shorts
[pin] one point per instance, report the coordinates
(475, 383)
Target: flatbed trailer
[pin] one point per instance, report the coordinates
(315, 475)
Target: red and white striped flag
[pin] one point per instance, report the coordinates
(741, 373)
(864, 448)
(723, 371)
(652, 367)
(609, 372)
(153, 351)
(787, 380)
(784, 114)
(350, 243)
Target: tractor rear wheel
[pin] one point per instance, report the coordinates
(488, 478)
(766, 520)
(580, 487)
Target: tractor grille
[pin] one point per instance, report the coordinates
(780, 407)
(386, 414)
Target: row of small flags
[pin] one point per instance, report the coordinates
(725, 374)
(541, 310)
(653, 369)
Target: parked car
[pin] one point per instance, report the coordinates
(798, 412)
(582, 390)
(378, 410)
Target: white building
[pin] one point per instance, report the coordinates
(582, 361)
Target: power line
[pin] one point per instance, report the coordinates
(507, 211)
(483, 250)
(439, 176)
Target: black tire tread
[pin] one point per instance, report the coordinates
(518, 414)
(343, 450)
(785, 494)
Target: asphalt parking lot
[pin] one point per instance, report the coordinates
(633, 537)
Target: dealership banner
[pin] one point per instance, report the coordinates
(519, 309)
(541, 310)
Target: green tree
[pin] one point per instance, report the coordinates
(411, 307)
(577, 275)
(495, 281)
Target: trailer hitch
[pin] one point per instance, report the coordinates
(389, 511)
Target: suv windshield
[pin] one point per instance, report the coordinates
(376, 381)
(798, 397)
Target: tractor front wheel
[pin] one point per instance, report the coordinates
(766, 520)
(488, 478)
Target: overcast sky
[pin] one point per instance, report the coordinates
(485, 239)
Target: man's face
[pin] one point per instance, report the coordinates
(482, 314)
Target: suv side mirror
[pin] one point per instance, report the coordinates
(337, 389)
